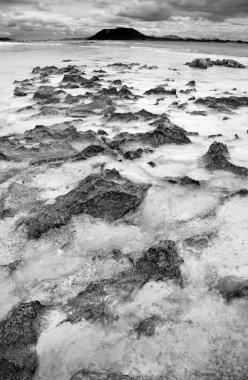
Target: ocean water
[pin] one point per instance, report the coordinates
(202, 336)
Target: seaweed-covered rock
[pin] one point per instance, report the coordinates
(223, 103)
(18, 336)
(216, 158)
(165, 133)
(160, 91)
(106, 196)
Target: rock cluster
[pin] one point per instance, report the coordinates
(204, 63)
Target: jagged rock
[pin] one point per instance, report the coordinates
(165, 133)
(213, 136)
(198, 113)
(3, 157)
(44, 144)
(160, 91)
(228, 63)
(202, 63)
(184, 181)
(94, 375)
(223, 103)
(18, 335)
(101, 132)
(117, 82)
(160, 262)
(191, 83)
(231, 287)
(100, 104)
(90, 151)
(147, 115)
(106, 196)
(21, 91)
(216, 158)
(18, 197)
(48, 93)
(132, 155)
(127, 116)
(152, 164)
(147, 327)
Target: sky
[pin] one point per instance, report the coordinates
(55, 19)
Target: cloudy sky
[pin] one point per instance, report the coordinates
(42, 19)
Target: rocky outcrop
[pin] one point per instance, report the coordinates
(94, 375)
(217, 157)
(106, 196)
(90, 151)
(204, 63)
(160, 91)
(231, 287)
(165, 133)
(100, 104)
(47, 143)
(160, 262)
(184, 181)
(147, 327)
(18, 336)
(223, 103)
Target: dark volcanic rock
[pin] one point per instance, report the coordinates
(232, 287)
(191, 83)
(216, 158)
(44, 144)
(106, 196)
(90, 151)
(223, 103)
(127, 116)
(18, 336)
(160, 91)
(147, 327)
(160, 262)
(132, 155)
(165, 133)
(184, 181)
(202, 63)
(102, 104)
(94, 375)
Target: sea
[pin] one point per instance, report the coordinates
(201, 336)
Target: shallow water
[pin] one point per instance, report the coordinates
(200, 335)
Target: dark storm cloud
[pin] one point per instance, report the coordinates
(157, 10)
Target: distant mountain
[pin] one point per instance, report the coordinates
(5, 39)
(128, 34)
(119, 34)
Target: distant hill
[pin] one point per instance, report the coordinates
(5, 39)
(119, 34)
(128, 34)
